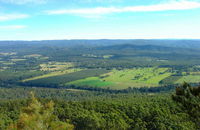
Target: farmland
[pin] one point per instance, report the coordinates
(121, 79)
(115, 66)
(115, 79)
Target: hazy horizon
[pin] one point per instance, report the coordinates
(99, 39)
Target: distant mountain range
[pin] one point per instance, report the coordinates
(105, 42)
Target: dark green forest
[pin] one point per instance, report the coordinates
(98, 110)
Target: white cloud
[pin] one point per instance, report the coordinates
(172, 5)
(6, 17)
(24, 1)
(12, 27)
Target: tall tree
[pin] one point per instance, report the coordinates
(37, 116)
(189, 98)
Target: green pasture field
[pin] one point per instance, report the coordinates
(121, 79)
(107, 56)
(91, 81)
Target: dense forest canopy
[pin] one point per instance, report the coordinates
(97, 110)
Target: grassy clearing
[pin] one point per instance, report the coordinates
(120, 79)
(107, 56)
(16, 60)
(37, 56)
(8, 63)
(139, 76)
(91, 81)
(55, 66)
(7, 53)
(33, 56)
(52, 74)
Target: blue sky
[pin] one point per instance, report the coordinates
(99, 19)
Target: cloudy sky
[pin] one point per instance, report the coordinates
(99, 19)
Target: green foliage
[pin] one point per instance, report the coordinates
(97, 110)
(189, 98)
(40, 117)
